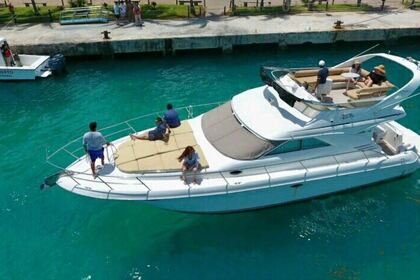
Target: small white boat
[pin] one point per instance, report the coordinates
(269, 145)
(23, 67)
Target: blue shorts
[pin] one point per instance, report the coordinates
(154, 136)
(96, 154)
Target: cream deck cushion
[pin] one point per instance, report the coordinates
(148, 156)
(368, 92)
(310, 76)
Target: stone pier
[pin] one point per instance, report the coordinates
(224, 33)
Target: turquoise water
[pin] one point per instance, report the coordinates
(372, 233)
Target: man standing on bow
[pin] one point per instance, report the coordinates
(93, 142)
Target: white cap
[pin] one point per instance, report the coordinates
(321, 63)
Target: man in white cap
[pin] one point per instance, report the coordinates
(320, 86)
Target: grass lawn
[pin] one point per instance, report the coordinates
(163, 11)
(27, 15)
(275, 10)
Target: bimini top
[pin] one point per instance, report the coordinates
(229, 137)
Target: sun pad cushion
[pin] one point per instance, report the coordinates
(145, 156)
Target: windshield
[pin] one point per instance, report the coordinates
(229, 137)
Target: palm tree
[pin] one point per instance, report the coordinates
(192, 9)
(35, 8)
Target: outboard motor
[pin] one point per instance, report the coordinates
(57, 64)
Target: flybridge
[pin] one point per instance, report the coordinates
(347, 107)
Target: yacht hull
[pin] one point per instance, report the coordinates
(283, 194)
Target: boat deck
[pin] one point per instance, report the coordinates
(339, 94)
(157, 156)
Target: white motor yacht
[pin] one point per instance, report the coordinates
(270, 145)
(23, 66)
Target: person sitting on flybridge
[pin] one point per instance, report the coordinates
(321, 87)
(93, 142)
(377, 76)
(161, 132)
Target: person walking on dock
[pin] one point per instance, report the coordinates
(93, 142)
(137, 14)
(117, 11)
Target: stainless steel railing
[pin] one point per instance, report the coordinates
(124, 127)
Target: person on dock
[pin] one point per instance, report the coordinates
(117, 11)
(93, 142)
(171, 116)
(190, 162)
(377, 76)
(161, 132)
(321, 81)
(137, 14)
(123, 11)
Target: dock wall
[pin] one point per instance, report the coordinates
(226, 42)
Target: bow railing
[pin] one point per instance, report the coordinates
(73, 150)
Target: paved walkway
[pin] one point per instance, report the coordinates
(219, 26)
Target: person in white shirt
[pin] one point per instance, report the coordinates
(93, 142)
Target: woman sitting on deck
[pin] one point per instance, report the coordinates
(377, 76)
(190, 162)
(161, 132)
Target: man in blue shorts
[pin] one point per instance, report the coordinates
(171, 117)
(93, 142)
(161, 132)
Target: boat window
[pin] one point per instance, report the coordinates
(312, 143)
(289, 146)
(297, 145)
(227, 135)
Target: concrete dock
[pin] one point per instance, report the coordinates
(225, 33)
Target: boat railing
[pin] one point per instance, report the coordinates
(74, 150)
(232, 178)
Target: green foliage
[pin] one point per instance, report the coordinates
(77, 3)
(163, 11)
(27, 15)
(278, 10)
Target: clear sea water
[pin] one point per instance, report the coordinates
(371, 233)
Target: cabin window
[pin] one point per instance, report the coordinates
(289, 146)
(312, 143)
(297, 145)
